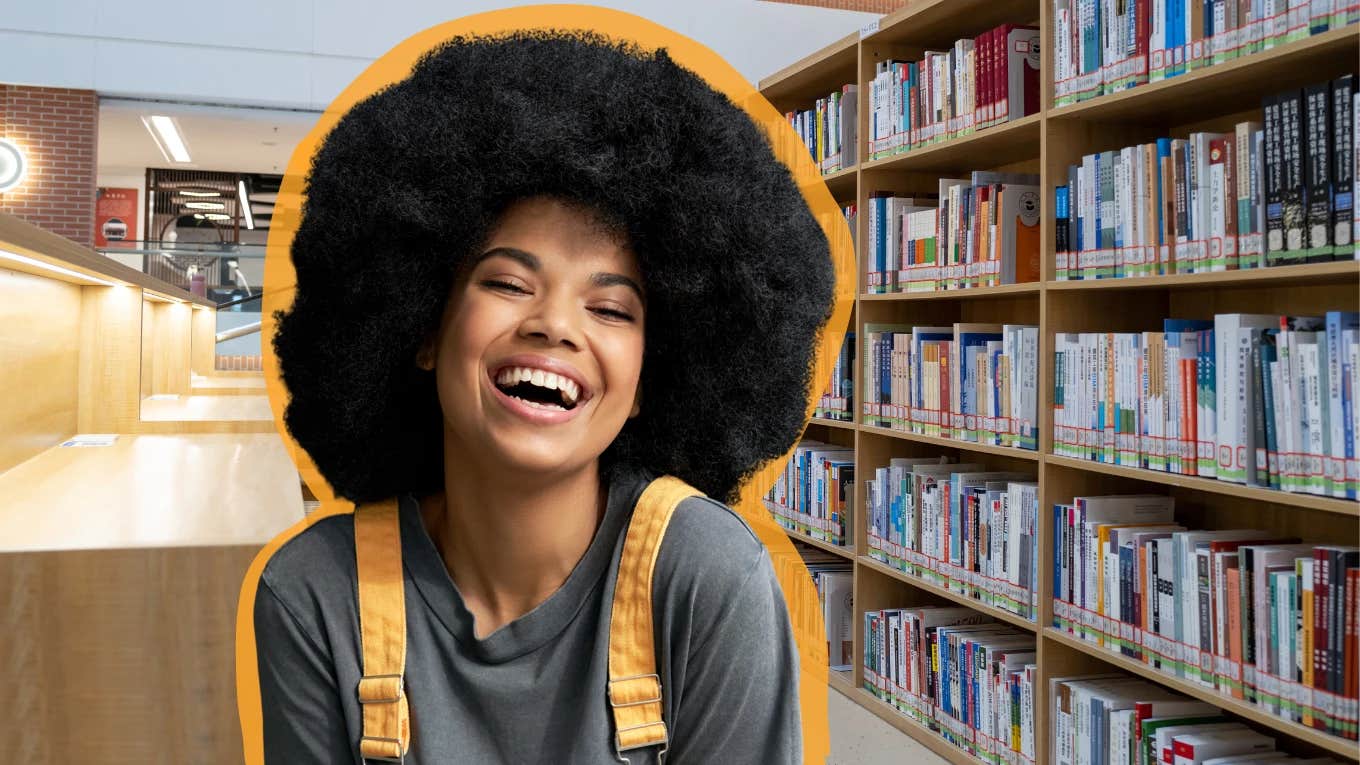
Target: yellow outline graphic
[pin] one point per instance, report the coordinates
(280, 284)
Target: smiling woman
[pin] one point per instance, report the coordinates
(534, 332)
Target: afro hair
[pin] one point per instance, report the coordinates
(738, 273)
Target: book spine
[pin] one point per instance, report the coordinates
(1343, 167)
(1274, 182)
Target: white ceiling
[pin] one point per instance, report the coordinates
(230, 139)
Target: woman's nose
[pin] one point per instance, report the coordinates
(553, 320)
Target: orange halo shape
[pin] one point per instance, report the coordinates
(280, 282)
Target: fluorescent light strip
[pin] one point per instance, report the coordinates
(173, 142)
(153, 296)
(58, 269)
(245, 204)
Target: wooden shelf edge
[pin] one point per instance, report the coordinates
(1310, 501)
(1004, 290)
(1296, 274)
(843, 681)
(1333, 744)
(963, 600)
(843, 424)
(920, 733)
(999, 134)
(950, 443)
(807, 540)
(1262, 60)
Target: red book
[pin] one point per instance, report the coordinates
(1143, 25)
(1189, 418)
(1321, 584)
(1351, 689)
(997, 49)
(998, 74)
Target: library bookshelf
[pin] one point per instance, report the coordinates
(1212, 98)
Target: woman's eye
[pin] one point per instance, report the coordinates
(498, 284)
(610, 312)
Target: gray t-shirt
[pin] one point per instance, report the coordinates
(534, 690)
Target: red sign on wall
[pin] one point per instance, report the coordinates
(115, 217)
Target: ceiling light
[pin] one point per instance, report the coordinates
(168, 140)
(245, 203)
(199, 193)
(12, 165)
(205, 205)
(58, 269)
(217, 216)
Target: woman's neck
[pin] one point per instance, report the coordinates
(509, 542)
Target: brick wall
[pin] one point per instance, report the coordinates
(866, 6)
(58, 131)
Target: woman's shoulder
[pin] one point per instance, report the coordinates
(315, 563)
(709, 548)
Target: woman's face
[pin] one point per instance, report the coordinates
(540, 347)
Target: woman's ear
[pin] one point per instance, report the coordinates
(425, 356)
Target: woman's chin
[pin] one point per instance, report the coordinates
(541, 457)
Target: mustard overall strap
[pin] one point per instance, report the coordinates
(634, 685)
(386, 733)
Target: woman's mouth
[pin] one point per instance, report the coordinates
(539, 396)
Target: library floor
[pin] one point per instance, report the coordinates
(860, 738)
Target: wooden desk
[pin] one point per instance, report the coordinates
(215, 385)
(207, 414)
(120, 571)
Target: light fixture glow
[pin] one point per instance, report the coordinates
(167, 137)
(217, 216)
(13, 165)
(245, 203)
(150, 296)
(57, 269)
(205, 205)
(199, 193)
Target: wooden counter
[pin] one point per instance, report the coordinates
(120, 571)
(151, 491)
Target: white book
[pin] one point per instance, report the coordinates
(838, 617)
(1258, 758)
(1233, 392)
(1165, 737)
(1311, 411)
(1195, 748)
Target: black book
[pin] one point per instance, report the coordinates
(1274, 182)
(1318, 176)
(1343, 167)
(1293, 177)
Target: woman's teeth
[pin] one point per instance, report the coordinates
(569, 389)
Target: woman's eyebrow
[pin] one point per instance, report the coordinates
(607, 279)
(531, 262)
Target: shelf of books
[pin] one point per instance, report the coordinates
(1087, 463)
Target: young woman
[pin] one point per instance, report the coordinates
(541, 272)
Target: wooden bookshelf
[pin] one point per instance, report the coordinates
(800, 537)
(1008, 142)
(953, 443)
(1213, 98)
(1243, 709)
(977, 293)
(947, 594)
(824, 422)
